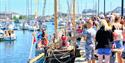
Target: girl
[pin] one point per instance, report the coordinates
(117, 33)
(104, 38)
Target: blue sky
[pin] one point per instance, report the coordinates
(19, 6)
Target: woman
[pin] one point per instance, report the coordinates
(79, 33)
(117, 33)
(104, 39)
(89, 35)
(43, 43)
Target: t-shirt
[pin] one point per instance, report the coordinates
(63, 38)
(117, 35)
(44, 42)
(90, 35)
(79, 30)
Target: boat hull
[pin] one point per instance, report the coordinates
(9, 38)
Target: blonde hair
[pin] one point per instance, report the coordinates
(105, 24)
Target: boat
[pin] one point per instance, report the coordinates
(24, 26)
(1, 35)
(61, 23)
(16, 28)
(10, 27)
(55, 53)
(33, 28)
(9, 38)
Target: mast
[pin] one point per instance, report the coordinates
(44, 6)
(55, 17)
(104, 7)
(36, 10)
(31, 7)
(5, 8)
(122, 8)
(73, 22)
(0, 6)
(73, 17)
(98, 7)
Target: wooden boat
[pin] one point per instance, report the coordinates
(57, 55)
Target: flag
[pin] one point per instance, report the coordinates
(34, 40)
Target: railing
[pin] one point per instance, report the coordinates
(36, 58)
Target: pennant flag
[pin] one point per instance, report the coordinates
(34, 40)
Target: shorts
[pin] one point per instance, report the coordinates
(89, 55)
(104, 51)
(118, 44)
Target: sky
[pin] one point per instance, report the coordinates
(20, 6)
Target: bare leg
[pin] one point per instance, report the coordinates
(100, 58)
(89, 61)
(119, 59)
(93, 61)
(107, 58)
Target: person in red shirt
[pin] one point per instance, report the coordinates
(64, 41)
(43, 43)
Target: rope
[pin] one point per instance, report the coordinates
(61, 57)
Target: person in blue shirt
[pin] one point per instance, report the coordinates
(89, 35)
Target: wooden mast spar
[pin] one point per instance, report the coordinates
(73, 21)
(55, 17)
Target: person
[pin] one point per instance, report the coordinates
(64, 42)
(104, 39)
(69, 28)
(13, 34)
(79, 33)
(123, 52)
(6, 34)
(9, 32)
(117, 33)
(42, 43)
(89, 35)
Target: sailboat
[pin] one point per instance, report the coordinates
(54, 54)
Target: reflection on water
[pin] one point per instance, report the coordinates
(18, 51)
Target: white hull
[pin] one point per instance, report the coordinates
(9, 38)
(33, 28)
(24, 27)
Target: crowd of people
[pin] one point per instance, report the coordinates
(104, 37)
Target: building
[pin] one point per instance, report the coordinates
(8, 15)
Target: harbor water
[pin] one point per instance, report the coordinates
(18, 51)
